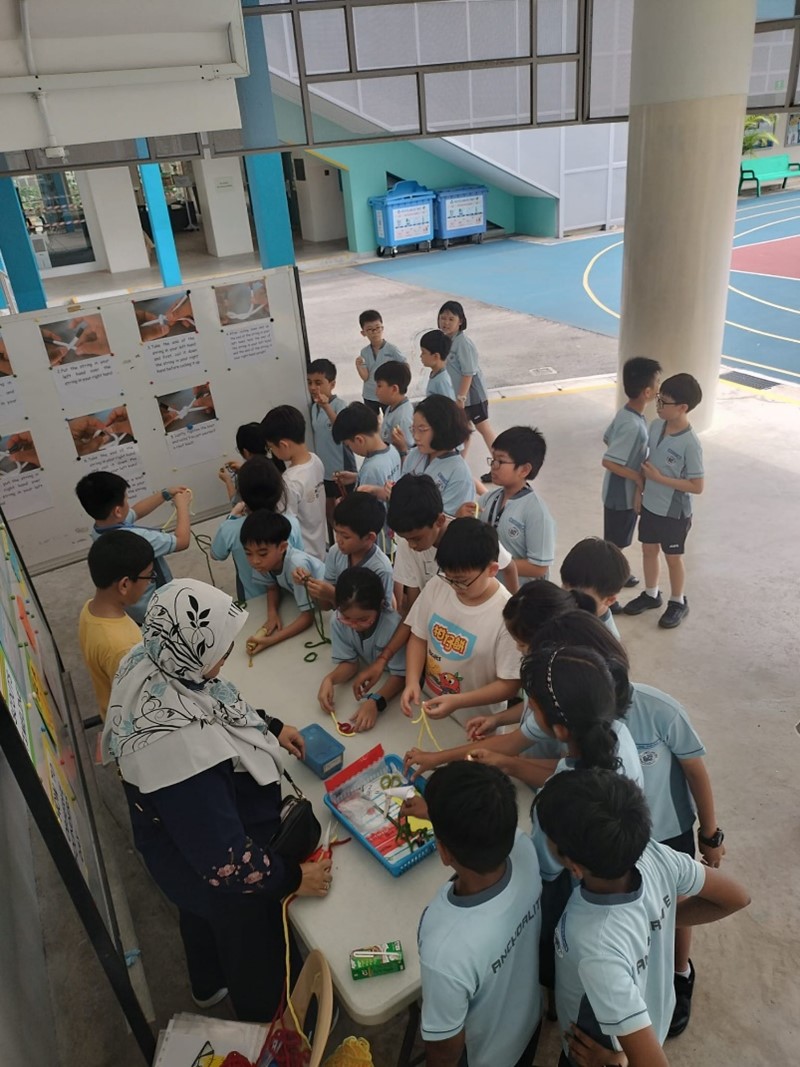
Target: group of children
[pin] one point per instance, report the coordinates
(445, 600)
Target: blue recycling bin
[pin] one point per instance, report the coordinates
(460, 212)
(403, 216)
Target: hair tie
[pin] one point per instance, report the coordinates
(559, 714)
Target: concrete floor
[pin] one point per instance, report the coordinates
(732, 663)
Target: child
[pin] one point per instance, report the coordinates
(121, 567)
(626, 450)
(478, 937)
(250, 441)
(357, 427)
(261, 487)
(360, 631)
(265, 536)
(434, 348)
(357, 523)
(285, 429)
(325, 406)
(440, 428)
(392, 380)
(672, 473)
(104, 496)
(462, 366)
(457, 634)
(598, 568)
(614, 942)
(375, 353)
(523, 523)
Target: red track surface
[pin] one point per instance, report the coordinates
(780, 258)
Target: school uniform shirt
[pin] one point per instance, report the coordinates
(440, 384)
(463, 360)
(479, 963)
(306, 492)
(615, 952)
(467, 646)
(678, 455)
(103, 643)
(524, 525)
(162, 543)
(415, 569)
(334, 457)
(372, 361)
(402, 416)
(663, 737)
(380, 467)
(609, 623)
(451, 474)
(336, 562)
(227, 542)
(626, 445)
(348, 646)
(293, 559)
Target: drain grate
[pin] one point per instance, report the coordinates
(740, 378)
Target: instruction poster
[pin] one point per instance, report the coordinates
(16, 705)
(190, 423)
(80, 357)
(22, 487)
(244, 316)
(10, 405)
(63, 800)
(168, 332)
(104, 441)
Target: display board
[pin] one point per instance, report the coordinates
(152, 386)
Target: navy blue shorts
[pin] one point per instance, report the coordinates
(661, 530)
(477, 412)
(682, 843)
(618, 526)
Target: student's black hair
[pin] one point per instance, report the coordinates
(524, 444)
(467, 545)
(448, 421)
(574, 688)
(683, 389)
(596, 818)
(637, 374)
(584, 629)
(371, 315)
(324, 367)
(284, 423)
(251, 437)
(260, 485)
(473, 808)
(456, 309)
(415, 502)
(597, 565)
(265, 528)
(534, 604)
(362, 513)
(358, 587)
(100, 492)
(116, 555)
(355, 419)
(393, 372)
(436, 342)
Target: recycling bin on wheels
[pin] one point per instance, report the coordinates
(403, 216)
(460, 212)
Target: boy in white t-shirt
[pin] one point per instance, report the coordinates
(458, 637)
(285, 430)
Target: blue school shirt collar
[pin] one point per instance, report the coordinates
(605, 899)
(496, 508)
(474, 899)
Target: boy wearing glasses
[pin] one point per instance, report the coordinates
(458, 638)
(524, 525)
(121, 564)
(376, 352)
(673, 472)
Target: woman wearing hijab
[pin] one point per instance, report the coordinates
(201, 771)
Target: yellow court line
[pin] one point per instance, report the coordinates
(764, 394)
(553, 392)
(763, 366)
(588, 289)
(758, 300)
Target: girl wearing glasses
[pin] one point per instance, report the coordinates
(440, 428)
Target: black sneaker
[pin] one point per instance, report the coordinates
(643, 602)
(684, 987)
(615, 608)
(631, 582)
(674, 615)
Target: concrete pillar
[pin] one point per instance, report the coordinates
(109, 205)
(320, 200)
(220, 190)
(17, 252)
(690, 69)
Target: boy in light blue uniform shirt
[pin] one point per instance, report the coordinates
(357, 427)
(615, 940)
(598, 569)
(478, 938)
(373, 355)
(391, 384)
(434, 348)
(325, 407)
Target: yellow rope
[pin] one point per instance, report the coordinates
(339, 730)
(285, 909)
(353, 1052)
(425, 727)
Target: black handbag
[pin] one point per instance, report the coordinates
(300, 832)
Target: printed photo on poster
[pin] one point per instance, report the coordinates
(101, 430)
(9, 397)
(190, 423)
(6, 370)
(168, 332)
(792, 130)
(242, 302)
(22, 488)
(72, 340)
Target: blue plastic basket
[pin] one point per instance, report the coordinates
(386, 764)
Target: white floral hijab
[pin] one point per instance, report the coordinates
(165, 721)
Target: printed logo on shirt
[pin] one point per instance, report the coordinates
(672, 457)
(648, 757)
(438, 682)
(514, 531)
(449, 640)
(560, 937)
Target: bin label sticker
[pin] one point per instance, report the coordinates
(380, 229)
(412, 222)
(464, 212)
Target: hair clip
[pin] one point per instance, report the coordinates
(558, 713)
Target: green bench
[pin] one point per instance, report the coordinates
(770, 169)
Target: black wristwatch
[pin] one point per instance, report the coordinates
(380, 702)
(714, 841)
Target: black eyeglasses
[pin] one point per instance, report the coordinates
(149, 578)
(662, 403)
(458, 583)
(495, 463)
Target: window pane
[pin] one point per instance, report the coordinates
(556, 92)
(556, 27)
(769, 71)
(363, 108)
(324, 41)
(612, 34)
(776, 9)
(475, 99)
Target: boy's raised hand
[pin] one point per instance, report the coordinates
(415, 807)
(416, 762)
(300, 574)
(399, 438)
(468, 510)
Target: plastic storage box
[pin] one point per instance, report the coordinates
(460, 212)
(324, 754)
(403, 216)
